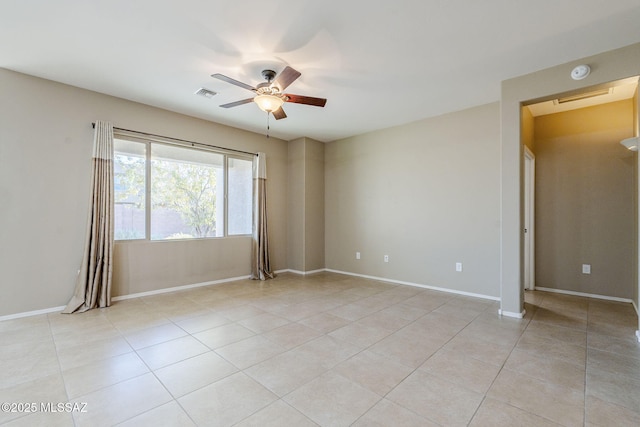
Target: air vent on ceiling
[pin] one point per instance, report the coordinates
(582, 96)
(205, 92)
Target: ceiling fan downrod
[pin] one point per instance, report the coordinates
(269, 75)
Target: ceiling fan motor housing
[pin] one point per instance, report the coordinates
(269, 75)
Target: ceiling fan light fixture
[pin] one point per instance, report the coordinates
(631, 143)
(268, 103)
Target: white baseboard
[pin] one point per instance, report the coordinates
(304, 273)
(178, 288)
(31, 313)
(512, 314)
(417, 285)
(583, 294)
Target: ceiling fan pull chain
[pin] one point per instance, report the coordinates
(267, 125)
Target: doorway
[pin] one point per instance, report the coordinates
(585, 182)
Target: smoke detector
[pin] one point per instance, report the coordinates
(580, 72)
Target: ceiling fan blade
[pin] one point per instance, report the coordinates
(307, 100)
(286, 77)
(235, 104)
(279, 114)
(232, 81)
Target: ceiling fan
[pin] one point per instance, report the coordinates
(269, 95)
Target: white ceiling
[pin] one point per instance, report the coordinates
(379, 64)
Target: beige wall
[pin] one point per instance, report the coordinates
(606, 67)
(426, 194)
(314, 195)
(45, 150)
(148, 266)
(305, 199)
(585, 211)
(295, 203)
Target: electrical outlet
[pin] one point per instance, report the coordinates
(458, 266)
(357, 255)
(386, 258)
(586, 268)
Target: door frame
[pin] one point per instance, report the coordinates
(529, 218)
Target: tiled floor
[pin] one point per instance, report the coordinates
(327, 350)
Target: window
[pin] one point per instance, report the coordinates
(187, 189)
(165, 192)
(129, 185)
(240, 195)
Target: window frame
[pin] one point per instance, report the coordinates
(226, 156)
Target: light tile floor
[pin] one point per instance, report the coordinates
(329, 350)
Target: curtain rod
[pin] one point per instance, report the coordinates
(180, 140)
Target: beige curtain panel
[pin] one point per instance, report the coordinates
(93, 285)
(260, 264)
